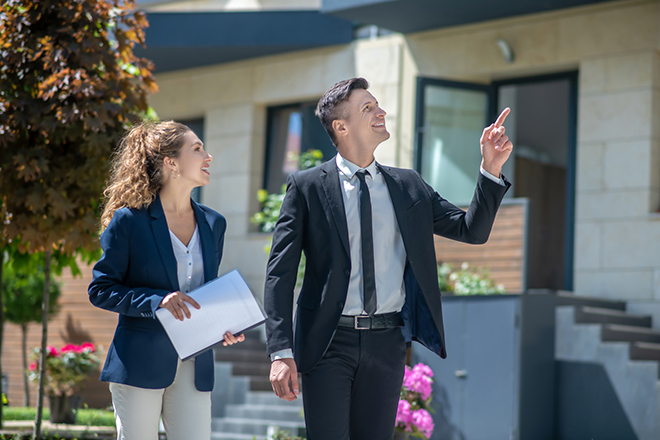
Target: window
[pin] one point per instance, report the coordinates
(291, 130)
(450, 119)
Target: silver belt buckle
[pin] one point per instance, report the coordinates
(356, 320)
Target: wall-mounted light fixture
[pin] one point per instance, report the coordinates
(506, 50)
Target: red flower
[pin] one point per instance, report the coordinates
(67, 348)
(52, 351)
(88, 347)
(33, 366)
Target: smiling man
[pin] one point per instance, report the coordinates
(371, 283)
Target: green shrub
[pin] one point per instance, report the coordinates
(84, 416)
(467, 280)
(271, 203)
(95, 417)
(22, 413)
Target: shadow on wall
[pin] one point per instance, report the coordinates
(444, 429)
(95, 393)
(587, 404)
(74, 334)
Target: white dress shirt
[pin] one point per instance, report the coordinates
(189, 262)
(389, 251)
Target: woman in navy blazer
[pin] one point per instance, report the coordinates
(158, 244)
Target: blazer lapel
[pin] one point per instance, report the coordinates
(163, 241)
(399, 198)
(332, 189)
(207, 242)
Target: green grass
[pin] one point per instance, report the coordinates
(95, 417)
(89, 417)
(22, 413)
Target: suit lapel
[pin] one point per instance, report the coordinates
(399, 198)
(163, 241)
(332, 189)
(206, 238)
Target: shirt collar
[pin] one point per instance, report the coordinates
(348, 168)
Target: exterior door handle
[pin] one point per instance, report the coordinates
(461, 374)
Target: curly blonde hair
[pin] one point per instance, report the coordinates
(136, 173)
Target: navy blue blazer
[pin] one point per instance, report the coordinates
(136, 271)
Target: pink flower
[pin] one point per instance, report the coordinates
(33, 366)
(404, 415)
(67, 348)
(423, 422)
(423, 369)
(418, 380)
(87, 347)
(52, 351)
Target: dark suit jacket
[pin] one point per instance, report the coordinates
(313, 220)
(136, 271)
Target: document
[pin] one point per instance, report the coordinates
(226, 305)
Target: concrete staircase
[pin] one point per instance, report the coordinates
(261, 415)
(244, 405)
(248, 359)
(600, 331)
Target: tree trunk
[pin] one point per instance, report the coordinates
(2, 333)
(44, 342)
(26, 388)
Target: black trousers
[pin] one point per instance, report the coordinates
(353, 392)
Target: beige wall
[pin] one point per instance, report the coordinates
(614, 46)
(232, 99)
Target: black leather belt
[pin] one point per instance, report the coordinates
(364, 322)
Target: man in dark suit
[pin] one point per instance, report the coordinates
(370, 284)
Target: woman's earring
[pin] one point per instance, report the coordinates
(178, 173)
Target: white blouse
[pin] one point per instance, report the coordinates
(189, 262)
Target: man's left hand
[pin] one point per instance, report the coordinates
(495, 145)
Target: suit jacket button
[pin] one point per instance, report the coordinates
(340, 305)
(347, 272)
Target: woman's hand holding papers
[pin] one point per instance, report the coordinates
(175, 302)
(230, 339)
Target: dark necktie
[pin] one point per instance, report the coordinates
(366, 231)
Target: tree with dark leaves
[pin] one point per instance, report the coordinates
(70, 85)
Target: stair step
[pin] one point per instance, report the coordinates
(250, 368)
(265, 412)
(260, 383)
(253, 426)
(248, 344)
(269, 398)
(598, 315)
(241, 356)
(568, 299)
(626, 333)
(235, 436)
(645, 351)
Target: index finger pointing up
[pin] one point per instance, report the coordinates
(502, 117)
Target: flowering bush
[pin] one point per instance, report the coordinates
(412, 415)
(467, 281)
(66, 369)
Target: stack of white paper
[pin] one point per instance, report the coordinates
(227, 305)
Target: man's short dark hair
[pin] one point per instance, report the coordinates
(330, 105)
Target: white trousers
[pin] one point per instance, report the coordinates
(186, 412)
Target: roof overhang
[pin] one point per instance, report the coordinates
(181, 40)
(418, 15)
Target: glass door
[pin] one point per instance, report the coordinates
(450, 119)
